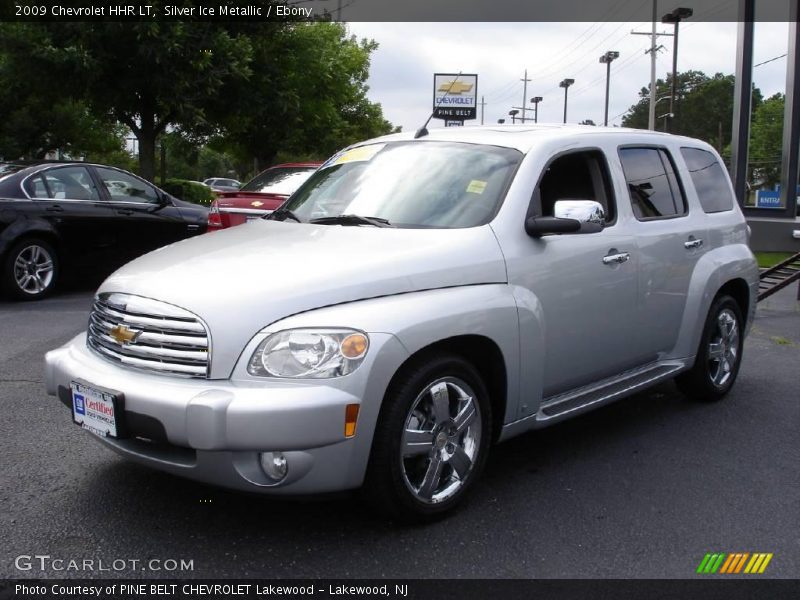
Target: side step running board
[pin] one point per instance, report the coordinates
(605, 391)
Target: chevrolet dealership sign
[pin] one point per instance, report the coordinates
(455, 97)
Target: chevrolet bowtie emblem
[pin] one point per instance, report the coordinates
(455, 88)
(123, 335)
(257, 203)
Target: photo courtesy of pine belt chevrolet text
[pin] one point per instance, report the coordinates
(418, 299)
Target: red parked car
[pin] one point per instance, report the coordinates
(259, 196)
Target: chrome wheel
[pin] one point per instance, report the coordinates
(441, 440)
(33, 269)
(723, 348)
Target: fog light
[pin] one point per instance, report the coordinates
(274, 465)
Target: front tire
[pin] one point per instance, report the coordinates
(719, 355)
(30, 270)
(431, 440)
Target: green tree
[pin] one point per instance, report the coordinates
(36, 119)
(145, 75)
(309, 98)
(703, 107)
(766, 140)
(189, 158)
(263, 87)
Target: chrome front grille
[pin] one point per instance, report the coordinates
(150, 335)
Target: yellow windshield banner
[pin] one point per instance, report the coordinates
(359, 154)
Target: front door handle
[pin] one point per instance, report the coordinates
(55, 208)
(693, 243)
(125, 211)
(616, 259)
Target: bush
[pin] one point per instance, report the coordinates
(189, 191)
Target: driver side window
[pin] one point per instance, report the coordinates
(579, 175)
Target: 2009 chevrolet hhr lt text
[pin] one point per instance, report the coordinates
(414, 302)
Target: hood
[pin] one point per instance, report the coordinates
(242, 279)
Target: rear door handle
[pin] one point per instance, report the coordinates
(125, 211)
(616, 259)
(693, 243)
(55, 208)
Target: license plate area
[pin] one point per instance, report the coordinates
(96, 409)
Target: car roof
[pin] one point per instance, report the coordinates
(524, 137)
(313, 165)
(31, 166)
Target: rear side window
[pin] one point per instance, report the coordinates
(63, 183)
(652, 183)
(710, 180)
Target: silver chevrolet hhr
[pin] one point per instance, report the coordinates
(414, 302)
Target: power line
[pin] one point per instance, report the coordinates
(770, 60)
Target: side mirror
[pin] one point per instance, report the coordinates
(571, 216)
(585, 211)
(164, 199)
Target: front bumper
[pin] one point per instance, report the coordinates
(214, 430)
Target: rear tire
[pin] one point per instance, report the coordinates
(30, 270)
(719, 355)
(431, 440)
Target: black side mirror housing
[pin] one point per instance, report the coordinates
(539, 226)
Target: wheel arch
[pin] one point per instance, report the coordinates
(729, 269)
(25, 229)
(740, 292)
(481, 352)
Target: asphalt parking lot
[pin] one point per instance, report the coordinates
(642, 488)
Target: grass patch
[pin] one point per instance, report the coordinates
(781, 341)
(770, 259)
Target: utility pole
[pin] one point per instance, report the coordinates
(651, 121)
(483, 104)
(525, 81)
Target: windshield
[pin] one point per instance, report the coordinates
(410, 184)
(280, 180)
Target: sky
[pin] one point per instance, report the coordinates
(401, 75)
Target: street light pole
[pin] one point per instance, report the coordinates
(513, 114)
(675, 17)
(608, 58)
(565, 83)
(535, 100)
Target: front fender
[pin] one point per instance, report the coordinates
(403, 324)
(713, 270)
(419, 319)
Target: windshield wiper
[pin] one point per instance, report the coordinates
(285, 213)
(352, 220)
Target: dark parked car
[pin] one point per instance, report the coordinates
(81, 217)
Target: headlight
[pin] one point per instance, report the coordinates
(309, 353)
